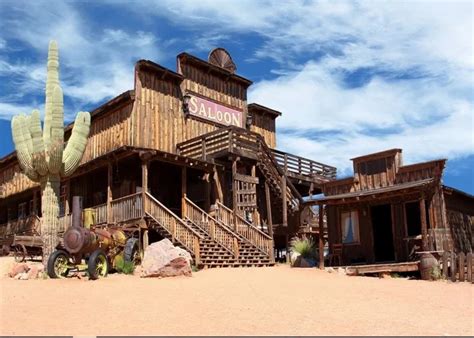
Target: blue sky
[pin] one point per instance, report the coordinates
(350, 77)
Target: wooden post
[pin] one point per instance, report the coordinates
(269, 209)
(183, 192)
(234, 192)
(109, 193)
(217, 181)
(321, 236)
(144, 184)
(461, 266)
(424, 227)
(469, 266)
(283, 197)
(453, 266)
(207, 192)
(67, 209)
(445, 264)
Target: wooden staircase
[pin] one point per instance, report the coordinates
(211, 242)
(223, 247)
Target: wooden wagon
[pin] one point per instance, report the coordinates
(27, 239)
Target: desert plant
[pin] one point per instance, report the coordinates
(435, 273)
(123, 266)
(41, 153)
(304, 246)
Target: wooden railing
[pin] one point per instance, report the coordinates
(302, 166)
(100, 213)
(246, 143)
(233, 138)
(252, 234)
(127, 208)
(217, 231)
(174, 225)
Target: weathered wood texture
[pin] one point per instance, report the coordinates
(264, 125)
(457, 266)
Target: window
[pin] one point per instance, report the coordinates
(22, 214)
(350, 227)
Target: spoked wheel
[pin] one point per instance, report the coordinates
(98, 265)
(58, 264)
(131, 253)
(19, 253)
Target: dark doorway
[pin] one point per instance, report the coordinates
(383, 236)
(412, 213)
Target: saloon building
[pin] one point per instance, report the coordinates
(184, 156)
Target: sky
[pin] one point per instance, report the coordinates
(350, 77)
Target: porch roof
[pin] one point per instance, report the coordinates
(415, 185)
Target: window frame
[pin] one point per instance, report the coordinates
(356, 227)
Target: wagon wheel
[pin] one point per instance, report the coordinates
(131, 251)
(20, 253)
(98, 265)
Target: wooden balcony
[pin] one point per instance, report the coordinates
(249, 144)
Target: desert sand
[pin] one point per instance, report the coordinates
(245, 301)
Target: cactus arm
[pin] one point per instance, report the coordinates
(22, 141)
(52, 80)
(38, 155)
(77, 143)
(56, 145)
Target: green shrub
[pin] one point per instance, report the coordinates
(123, 266)
(304, 246)
(436, 273)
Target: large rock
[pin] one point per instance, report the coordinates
(163, 259)
(17, 269)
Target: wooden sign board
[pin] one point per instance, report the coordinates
(215, 112)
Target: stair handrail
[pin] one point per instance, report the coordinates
(250, 232)
(179, 230)
(214, 228)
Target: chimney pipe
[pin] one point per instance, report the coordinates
(77, 211)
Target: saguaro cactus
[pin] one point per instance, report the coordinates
(42, 155)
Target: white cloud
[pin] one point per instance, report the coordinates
(421, 52)
(94, 64)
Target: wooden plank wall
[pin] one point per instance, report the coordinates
(264, 125)
(159, 121)
(13, 181)
(109, 131)
(375, 173)
(460, 218)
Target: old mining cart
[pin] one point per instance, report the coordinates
(95, 250)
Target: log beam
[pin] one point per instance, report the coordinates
(109, 192)
(183, 191)
(424, 226)
(321, 236)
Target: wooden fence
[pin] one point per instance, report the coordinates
(457, 266)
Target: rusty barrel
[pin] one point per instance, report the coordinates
(427, 263)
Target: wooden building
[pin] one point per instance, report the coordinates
(184, 156)
(388, 211)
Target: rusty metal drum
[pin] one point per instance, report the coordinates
(428, 263)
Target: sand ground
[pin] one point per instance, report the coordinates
(245, 301)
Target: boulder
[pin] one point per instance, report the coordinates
(17, 269)
(163, 259)
(185, 254)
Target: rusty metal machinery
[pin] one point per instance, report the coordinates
(101, 248)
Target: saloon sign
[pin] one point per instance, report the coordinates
(214, 112)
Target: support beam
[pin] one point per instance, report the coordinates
(217, 182)
(183, 191)
(284, 204)
(234, 192)
(144, 183)
(269, 210)
(109, 193)
(424, 226)
(207, 192)
(321, 236)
